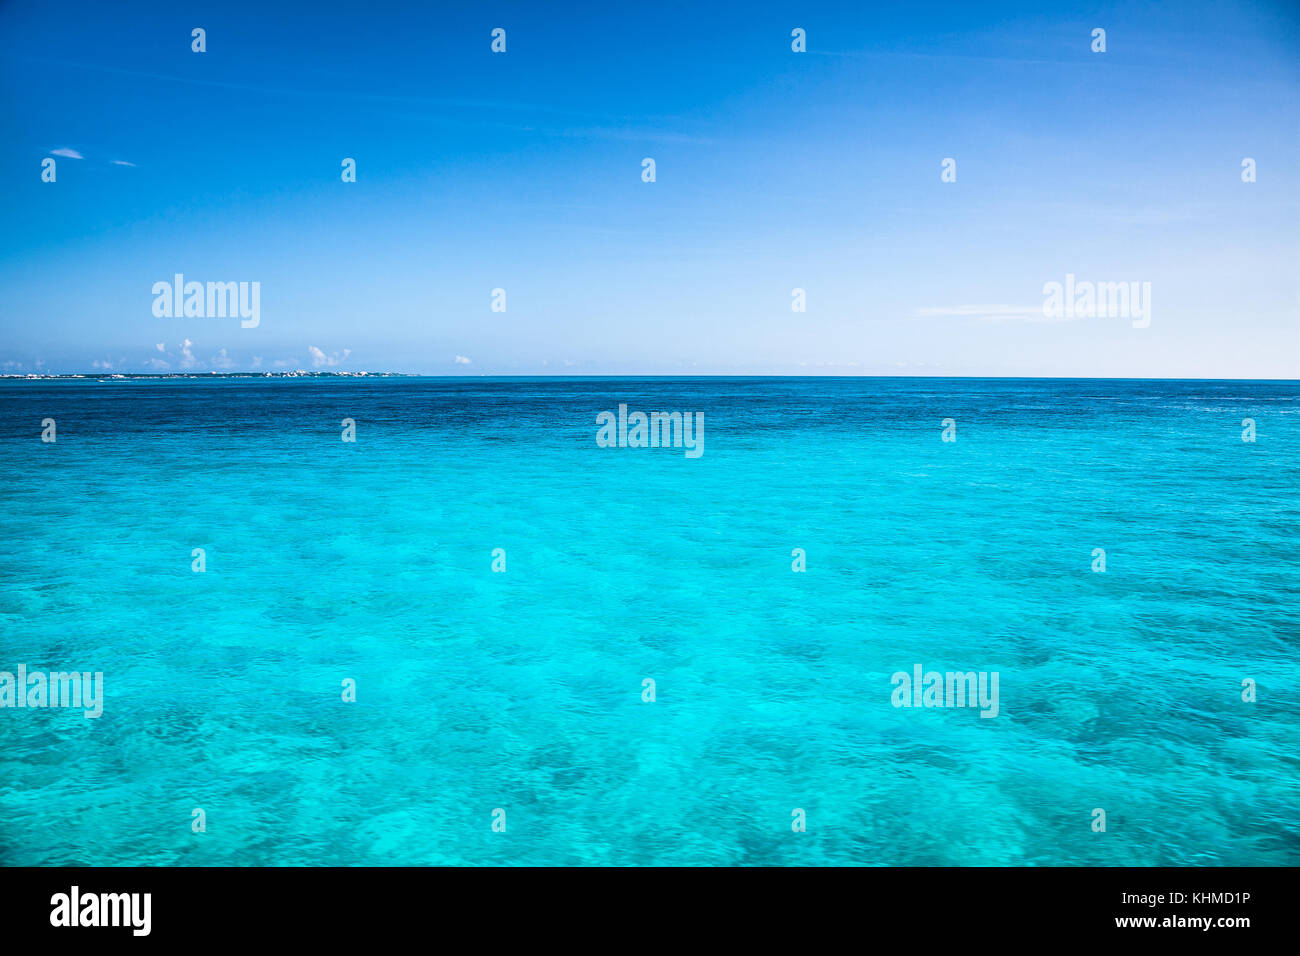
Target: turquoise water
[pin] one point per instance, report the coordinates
(522, 690)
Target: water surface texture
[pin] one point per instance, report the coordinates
(522, 690)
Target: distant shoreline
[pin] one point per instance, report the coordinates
(297, 373)
(639, 376)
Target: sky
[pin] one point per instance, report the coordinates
(774, 170)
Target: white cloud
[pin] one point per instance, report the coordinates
(257, 361)
(319, 358)
(65, 152)
(462, 360)
(160, 346)
(221, 360)
(158, 365)
(122, 162)
(104, 364)
(187, 357)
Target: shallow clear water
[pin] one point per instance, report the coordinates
(522, 690)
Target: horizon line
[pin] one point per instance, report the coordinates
(305, 373)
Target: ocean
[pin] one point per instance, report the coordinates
(501, 717)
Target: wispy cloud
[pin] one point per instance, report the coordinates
(123, 162)
(462, 360)
(65, 152)
(343, 90)
(987, 313)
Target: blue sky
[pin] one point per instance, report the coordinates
(775, 170)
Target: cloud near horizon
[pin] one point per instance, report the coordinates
(319, 358)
